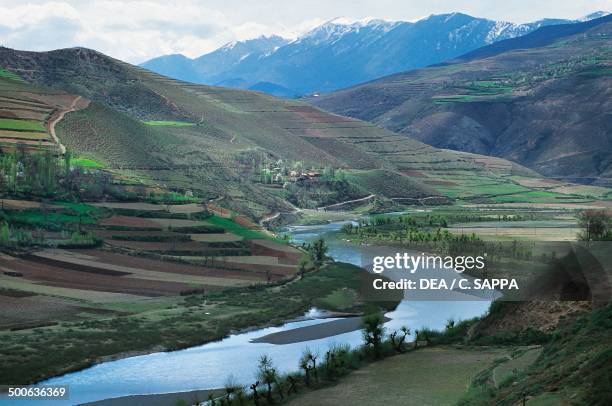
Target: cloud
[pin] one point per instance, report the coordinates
(137, 30)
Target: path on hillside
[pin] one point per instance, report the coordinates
(336, 205)
(55, 120)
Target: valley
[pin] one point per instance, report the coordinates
(148, 222)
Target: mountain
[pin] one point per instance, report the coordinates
(213, 141)
(542, 100)
(339, 54)
(214, 64)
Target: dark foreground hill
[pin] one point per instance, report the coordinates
(546, 107)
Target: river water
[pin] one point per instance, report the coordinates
(208, 366)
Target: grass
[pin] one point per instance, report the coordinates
(4, 74)
(169, 123)
(430, 376)
(25, 125)
(338, 300)
(49, 220)
(80, 208)
(87, 163)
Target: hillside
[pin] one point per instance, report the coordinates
(240, 147)
(252, 152)
(340, 53)
(530, 104)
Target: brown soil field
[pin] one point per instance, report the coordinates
(186, 208)
(225, 237)
(128, 263)
(132, 233)
(161, 245)
(23, 204)
(82, 295)
(74, 279)
(259, 264)
(130, 222)
(220, 211)
(166, 223)
(130, 206)
(245, 222)
(538, 183)
(581, 189)
(270, 248)
(22, 135)
(37, 310)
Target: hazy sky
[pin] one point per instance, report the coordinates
(138, 30)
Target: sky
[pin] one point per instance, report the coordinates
(137, 30)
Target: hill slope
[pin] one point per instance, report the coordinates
(533, 106)
(215, 141)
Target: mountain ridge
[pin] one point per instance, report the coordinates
(339, 54)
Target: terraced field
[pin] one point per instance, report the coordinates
(166, 133)
(27, 114)
(141, 258)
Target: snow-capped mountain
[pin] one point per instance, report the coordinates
(342, 53)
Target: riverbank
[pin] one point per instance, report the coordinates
(186, 322)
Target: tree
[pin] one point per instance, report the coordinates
(596, 225)
(373, 332)
(306, 365)
(317, 251)
(303, 265)
(267, 373)
(450, 323)
(255, 393)
(398, 342)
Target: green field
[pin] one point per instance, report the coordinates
(10, 75)
(11, 124)
(87, 163)
(231, 226)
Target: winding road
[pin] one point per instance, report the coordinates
(55, 120)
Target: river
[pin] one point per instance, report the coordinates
(208, 366)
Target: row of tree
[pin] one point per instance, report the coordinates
(271, 386)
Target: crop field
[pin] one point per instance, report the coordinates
(39, 310)
(86, 163)
(224, 237)
(449, 370)
(13, 204)
(519, 233)
(10, 75)
(6, 135)
(20, 125)
(127, 222)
